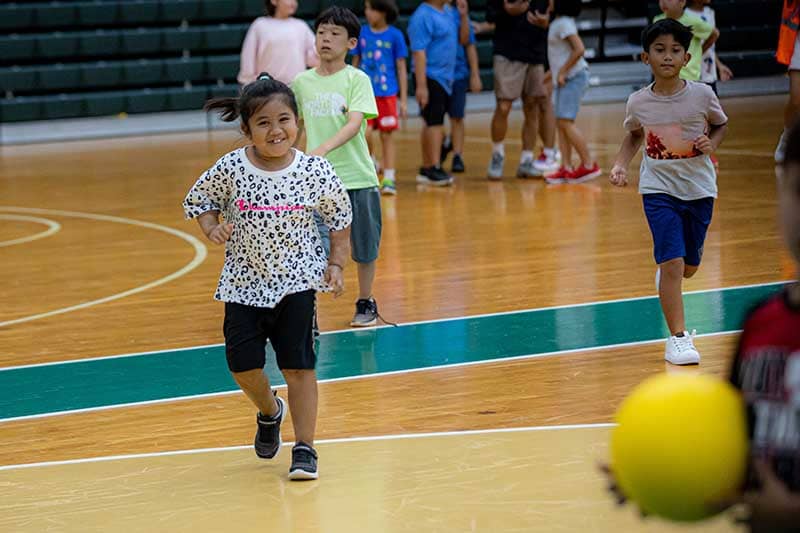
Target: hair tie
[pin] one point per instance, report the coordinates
(263, 77)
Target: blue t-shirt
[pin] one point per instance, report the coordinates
(435, 33)
(462, 65)
(379, 53)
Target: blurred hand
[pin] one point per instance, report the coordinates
(538, 19)
(403, 109)
(619, 176)
(725, 73)
(335, 278)
(421, 95)
(475, 83)
(562, 79)
(318, 151)
(220, 233)
(703, 143)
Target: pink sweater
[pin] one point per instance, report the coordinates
(282, 47)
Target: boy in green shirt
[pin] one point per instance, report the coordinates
(335, 100)
(704, 35)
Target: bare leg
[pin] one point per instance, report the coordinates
(792, 109)
(500, 120)
(366, 277)
(547, 120)
(431, 145)
(255, 385)
(387, 143)
(302, 385)
(564, 145)
(457, 135)
(670, 294)
(530, 113)
(576, 140)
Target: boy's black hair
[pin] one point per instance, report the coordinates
(681, 33)
(387, 7)
(252, 98)
(340, 16)
(567, 8)
(791, 155)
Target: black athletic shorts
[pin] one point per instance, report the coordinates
(288, 326)
(438, 104)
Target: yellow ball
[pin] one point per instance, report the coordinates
(681, 443)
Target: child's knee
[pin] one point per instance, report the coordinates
(296, 374)
(674, 268)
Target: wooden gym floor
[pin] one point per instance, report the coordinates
(527, 312)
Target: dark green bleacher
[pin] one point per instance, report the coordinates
(103, 57)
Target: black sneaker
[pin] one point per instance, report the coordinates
(268, 437)
(447, 147)
(366, 313)
(304, 463)
(458, 163)
(434, 176)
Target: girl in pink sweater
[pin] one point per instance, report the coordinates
(278, 43)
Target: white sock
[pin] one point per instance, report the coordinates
(550, 153)
(388, 174)
(525, 156)
(498, 148)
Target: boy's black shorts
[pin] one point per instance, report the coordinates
(288, 326)
(438, 104)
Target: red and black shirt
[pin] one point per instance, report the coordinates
(767, 370)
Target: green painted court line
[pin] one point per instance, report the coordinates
(38, 390)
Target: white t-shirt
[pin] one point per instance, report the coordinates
(708, 68)
(275, 248)
(559, 49)
(671, 163)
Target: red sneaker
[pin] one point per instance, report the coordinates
(562, 175)
(584, 173)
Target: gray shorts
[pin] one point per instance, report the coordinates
(365, 231)
(515, 79)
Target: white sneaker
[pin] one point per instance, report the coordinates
(681, 350)
(545, 163)
(780, 150)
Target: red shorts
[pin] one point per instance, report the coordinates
(387, 114)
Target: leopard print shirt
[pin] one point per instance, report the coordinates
(275, 248)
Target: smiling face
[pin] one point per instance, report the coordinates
(666, 57)
(272, 128)
(333, 43)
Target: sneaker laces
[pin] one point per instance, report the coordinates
(686, 342)
(370, 305)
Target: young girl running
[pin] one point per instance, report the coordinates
(570, 79)
(274, 260)
(278, 43)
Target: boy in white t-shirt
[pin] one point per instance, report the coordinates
(711, 64)
(681, 123)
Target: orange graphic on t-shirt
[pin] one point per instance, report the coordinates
(666, 141)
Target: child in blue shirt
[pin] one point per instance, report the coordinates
(381, 53)
(467, 78)
(434, 44)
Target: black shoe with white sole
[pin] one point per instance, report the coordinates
(304, 463)
(268, 437)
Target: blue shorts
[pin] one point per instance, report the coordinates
(567, 99)
(678, 226)
(458, 98)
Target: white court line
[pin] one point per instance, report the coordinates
(52, 227)
(359, 377)
(432, 321)
(403, 436)
(200, 253)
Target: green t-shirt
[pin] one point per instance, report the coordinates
(701, 30)
(324, 103)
